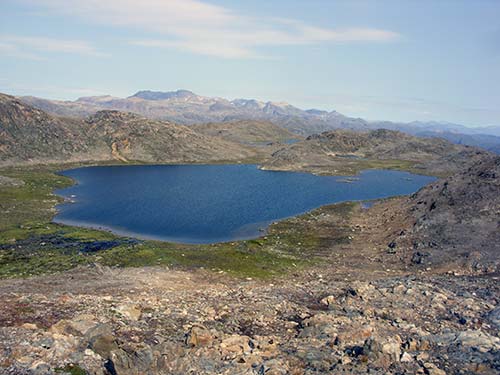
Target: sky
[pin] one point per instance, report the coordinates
(399, 60)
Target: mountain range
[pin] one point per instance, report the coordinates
(30, 135)
(187, 108)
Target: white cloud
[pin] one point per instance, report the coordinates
(8, 49)
(30, 47)
(200, 47)
(207, 29)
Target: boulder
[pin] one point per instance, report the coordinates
(198, 336)
(328, 301)
(78, 326)
(432, 369)
(405, 358)
(103, 345)
(384, 349)
(129, 311)
(494, 317)
(235, 345)
(138, 360)
(476, 339)
(30, 326)
(482, 341)
(101, 340)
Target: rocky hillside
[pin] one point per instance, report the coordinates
(31, 135)
(247, 131)
(456, 219)
(131, 137)
(450, 225)
(331, 151)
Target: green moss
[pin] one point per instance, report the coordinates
(351, 167)
(238, 259)
(71, 369)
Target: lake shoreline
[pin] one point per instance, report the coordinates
(259, 226)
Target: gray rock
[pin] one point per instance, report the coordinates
(494, 317)
(138, 362)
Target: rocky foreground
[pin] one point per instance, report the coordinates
(158, 321)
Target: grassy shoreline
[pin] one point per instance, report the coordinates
(31, 244)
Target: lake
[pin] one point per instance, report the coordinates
(210, 203)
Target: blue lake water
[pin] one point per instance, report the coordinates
(210, 203)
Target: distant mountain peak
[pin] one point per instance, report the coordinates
(163, 95)
(248, 103)
(279, 104)
(316, 112)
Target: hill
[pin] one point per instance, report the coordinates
(487, 141)
(457, 217)
(247, 131)
(346, 152)
(185, 107)
(159, 95)
(132, 137)
(451, 223)
(28, 134)
(31, 135)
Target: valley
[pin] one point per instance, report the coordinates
(404, 285)
(208, 187)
